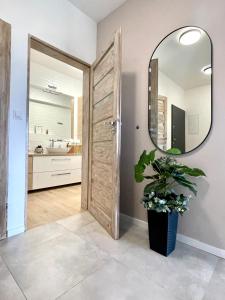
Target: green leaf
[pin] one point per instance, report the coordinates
(155, 186)
(138, 172)
(144, 160)
(174, 151)
(156, 166)
(181, 178)
(152, 155)
(195, 172)
(187, 184)
(152, 177)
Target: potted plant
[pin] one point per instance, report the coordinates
(161, 197)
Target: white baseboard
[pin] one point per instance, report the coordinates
(15, 231)
(180, 237)
(200, 245)
(130, 220)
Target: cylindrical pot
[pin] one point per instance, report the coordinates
(162, 229)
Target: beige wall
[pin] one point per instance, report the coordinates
(144, 23)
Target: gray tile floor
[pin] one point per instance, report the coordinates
(76, 259)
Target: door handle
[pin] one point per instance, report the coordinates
(112, 125)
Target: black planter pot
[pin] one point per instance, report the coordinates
(162, 228)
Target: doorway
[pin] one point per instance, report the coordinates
(58, 120)
(178, 128)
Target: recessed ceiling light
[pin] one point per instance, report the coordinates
(207, 70)
(190, 37)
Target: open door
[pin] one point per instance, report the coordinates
(5, 46)
(153, 100)
(105, 138)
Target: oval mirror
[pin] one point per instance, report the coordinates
(180, 90)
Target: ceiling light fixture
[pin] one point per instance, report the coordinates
(190, 37)
(207, 70)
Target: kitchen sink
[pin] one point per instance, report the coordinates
(58, 150)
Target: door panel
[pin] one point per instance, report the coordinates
(105, 135)
(104, 88)
(178, 128)
(105, 65)
(103, 152)
(102, 133)
(104, 109)
(5, 45)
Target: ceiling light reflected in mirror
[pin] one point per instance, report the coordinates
(190, 37)
(207, 70)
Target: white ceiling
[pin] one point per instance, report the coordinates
(183, 64)
(97, 9)
(55, 64)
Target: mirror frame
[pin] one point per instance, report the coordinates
(149, 91)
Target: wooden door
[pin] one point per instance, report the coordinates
(162, 123)
(178, 128)
(153, 100)
(5, 45)
(105, 135)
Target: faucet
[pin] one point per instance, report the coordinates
(52, 143)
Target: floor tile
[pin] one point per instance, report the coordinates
(75, 258)
(116, 282)
(9, 290)
(74, 223)
(94, 233)
(55, 266)
(31, 239)
(186, 272)
(216, 288)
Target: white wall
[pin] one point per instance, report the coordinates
(36, 93)
(198, 104)
(175, 96)
(47, 114)
(62, 25)
(42, 76)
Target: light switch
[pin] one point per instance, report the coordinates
(17, 115)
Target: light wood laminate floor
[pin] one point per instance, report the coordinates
(51, 205)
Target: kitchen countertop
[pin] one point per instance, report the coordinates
(54, 154)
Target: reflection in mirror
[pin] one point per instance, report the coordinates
(180, 90)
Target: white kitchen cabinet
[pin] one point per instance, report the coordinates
(56, 163)
(50, 179)
(50, 171)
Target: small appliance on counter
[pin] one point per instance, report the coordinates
(39, 149)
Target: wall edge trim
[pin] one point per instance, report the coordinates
(180, 237)
(16, 230)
